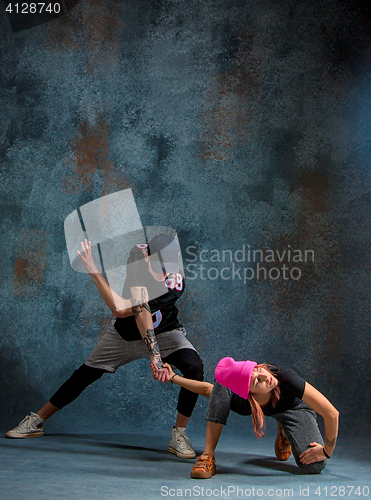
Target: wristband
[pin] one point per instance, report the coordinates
(171, 380)
(327, 456)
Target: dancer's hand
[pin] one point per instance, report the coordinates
(313, 454)
(165, 365)
(87, 258)
(169, 369)
(159, 372)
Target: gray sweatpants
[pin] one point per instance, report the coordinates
(112, 351)
(299, 424)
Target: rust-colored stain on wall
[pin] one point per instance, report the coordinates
(317, 229)
(93, 28)
(30, 263)
(90, 157)
(316, 188)
(232, 104)
(320, 280)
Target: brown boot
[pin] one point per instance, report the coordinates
(282, 447)
(204, 468)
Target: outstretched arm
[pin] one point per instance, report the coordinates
(321, 405)
(202, 388)
(119, 306)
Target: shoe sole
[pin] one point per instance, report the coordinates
(181, 455)
(203, 474)
(15, 435)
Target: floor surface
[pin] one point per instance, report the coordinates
(133, 466)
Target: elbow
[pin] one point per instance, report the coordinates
(207, 391)
(333, 415)
(123, 313)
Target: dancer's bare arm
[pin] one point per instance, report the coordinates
(320, 404)
(202, 388)
(119, 306)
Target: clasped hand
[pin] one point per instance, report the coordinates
(166, 368)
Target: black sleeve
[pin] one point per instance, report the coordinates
(291, 382)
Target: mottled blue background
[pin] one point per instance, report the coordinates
(233, 122)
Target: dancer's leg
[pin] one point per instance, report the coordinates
(32, 425)
(213, 431)
(217, 415)
(301, 428)
(189, 363)
(47, 410)
(73, 387)
(107, 356)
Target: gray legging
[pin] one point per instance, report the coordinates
(299, 424)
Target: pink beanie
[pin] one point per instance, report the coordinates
(235, 375)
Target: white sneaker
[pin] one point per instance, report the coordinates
(180, 444)
(31, 426)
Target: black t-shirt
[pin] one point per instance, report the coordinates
(292, 387)
(165, 293)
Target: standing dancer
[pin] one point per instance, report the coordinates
(146, 326)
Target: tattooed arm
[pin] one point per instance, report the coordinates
(143, 318)
(119, 306)
(330, 415)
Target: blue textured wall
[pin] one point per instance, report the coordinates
(234, 122)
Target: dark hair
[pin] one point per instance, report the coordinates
(163, 252)
(162, 241)
(258, 418)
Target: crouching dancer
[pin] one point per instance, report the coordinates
(146, 326)
(260, 390)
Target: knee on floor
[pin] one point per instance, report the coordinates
(315, 468)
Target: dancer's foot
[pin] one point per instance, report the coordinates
(282, 447)
(204, 468)
(30, 426)
(180, 444)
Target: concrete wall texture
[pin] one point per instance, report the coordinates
(243, 125)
